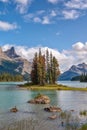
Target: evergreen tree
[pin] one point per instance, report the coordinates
(83, 78)
(47, 66)
(56, 71)
(45, 69)
(34, 72)
(51, 69)
(5, 77)
(41, 68)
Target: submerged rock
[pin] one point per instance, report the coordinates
(40, 99)
(52, 117)
(14, 109)
(53, 109)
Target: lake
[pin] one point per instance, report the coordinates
(11, 96)
(73, 84)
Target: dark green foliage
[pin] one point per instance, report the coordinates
(83, 113)
(5, 77)
(84, 127)
(45, 69)
(83, 78)
(34, 72)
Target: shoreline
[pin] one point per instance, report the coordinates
(50, 87)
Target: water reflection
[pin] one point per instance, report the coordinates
(10, 96)
(73, 84)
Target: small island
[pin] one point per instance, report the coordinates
(58, 87)
(44, 74)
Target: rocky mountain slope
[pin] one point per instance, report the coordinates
(75, 70)
(12, 63)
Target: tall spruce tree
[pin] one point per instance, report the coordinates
(45, 69)
(41, 68)
(51, 69)
(34, 72)
(56, 71)
(47, 66)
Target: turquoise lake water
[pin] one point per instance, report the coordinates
(11, 96)
(74, 84)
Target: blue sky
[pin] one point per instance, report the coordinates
(53, 23)
(57, 24)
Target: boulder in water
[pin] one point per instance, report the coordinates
(40, 99)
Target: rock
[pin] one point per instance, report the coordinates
(14, 109)
(40, 99)
(52, 117)
(72, 110)
(52, 109)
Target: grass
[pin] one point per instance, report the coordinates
(84, 127)
(83, 113)
(69, 123)
(29, 86)
(26, 124)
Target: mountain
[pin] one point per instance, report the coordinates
(24, 65)
(75, 70)
(11, 53)
(3, 56)
(12, 63)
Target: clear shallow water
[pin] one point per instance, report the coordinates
(74, 84)
(11, 96)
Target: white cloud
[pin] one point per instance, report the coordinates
(41, 16)
(66, 58)
(22, 5)
(53, 13)
(70, 14)
(37, 20)
(78, 46)
(77, 4)
(40, 12)
(4, 0)
(5, 26)
(53, 1)
(46, 20)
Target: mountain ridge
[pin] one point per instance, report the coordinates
(74, 70)
(11, 62)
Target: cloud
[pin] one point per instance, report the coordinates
(41, 16)
(5, 26)
(78, 53)
(78, 46)
(37, 20)
(68, 9)
(70, 14)
(4, 1)
(22, 5)
(77, 4)
(28, 53)
(53, 13)
(46, 20)
(53, 1)
(66, 58)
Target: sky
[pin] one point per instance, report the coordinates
(59, 25)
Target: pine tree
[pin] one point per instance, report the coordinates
(34, 72)
(56, 71)
(47, 66)
(51, 69)
(41, 68)
(45, 69)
